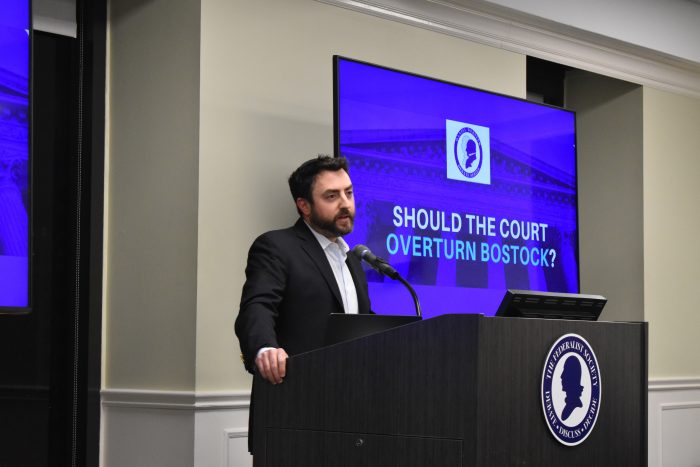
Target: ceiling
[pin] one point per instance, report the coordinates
(670, 27)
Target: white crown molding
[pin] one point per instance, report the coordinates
(508, 30)
(674, 384)
(175, 400)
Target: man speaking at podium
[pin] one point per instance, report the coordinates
(297, 276)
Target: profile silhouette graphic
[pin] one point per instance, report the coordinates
(571, 385)
(471, 153)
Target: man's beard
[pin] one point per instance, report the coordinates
(329, 227)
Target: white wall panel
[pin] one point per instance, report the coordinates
(147, 437)
(152, 429)
(674, 422)
(175, 429)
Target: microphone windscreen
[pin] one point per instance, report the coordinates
(359, 251)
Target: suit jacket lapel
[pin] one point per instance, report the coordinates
(311, 246)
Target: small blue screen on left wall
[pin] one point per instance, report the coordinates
(14, 153)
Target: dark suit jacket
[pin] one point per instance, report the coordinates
(289, 292)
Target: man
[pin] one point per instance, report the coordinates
(297, 276)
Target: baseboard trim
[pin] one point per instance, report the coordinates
(223, 400)
(175, 400)
(674, 384)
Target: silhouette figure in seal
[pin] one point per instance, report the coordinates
(470, 149)
(571, 385)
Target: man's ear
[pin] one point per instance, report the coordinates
(304, 206)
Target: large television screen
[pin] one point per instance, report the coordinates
(14, 154)
(465, 192)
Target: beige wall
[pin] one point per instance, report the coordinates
(266, 105)
(202, 138)
(205, 128)
(151, 200)
(611, 229)
(671, 226)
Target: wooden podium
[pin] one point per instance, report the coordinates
(455, 390)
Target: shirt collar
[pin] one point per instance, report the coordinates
(325, 243)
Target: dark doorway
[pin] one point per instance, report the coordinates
(50, 365)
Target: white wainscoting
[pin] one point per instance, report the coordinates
(674, 422)
(174, 429)
(221, 430)
(184, 429)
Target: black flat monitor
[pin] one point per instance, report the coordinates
(551, 305)
(466, 193)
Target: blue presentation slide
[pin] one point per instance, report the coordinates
(465, 192)
(14, 153)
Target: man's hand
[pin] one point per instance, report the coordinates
(272, 365)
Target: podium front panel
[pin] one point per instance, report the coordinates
(306, 448)
(454, 380)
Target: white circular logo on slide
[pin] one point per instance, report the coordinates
(468, 153)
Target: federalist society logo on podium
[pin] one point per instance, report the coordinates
(571, 389)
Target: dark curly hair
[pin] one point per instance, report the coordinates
(301, 182)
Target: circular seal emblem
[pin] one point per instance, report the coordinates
(468, 152)
(571, 389)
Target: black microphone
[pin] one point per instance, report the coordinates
(364, 254)
(378, 264)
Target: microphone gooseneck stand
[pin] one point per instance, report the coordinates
(385, 269)
(413, 294)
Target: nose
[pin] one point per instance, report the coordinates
(344, 200)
